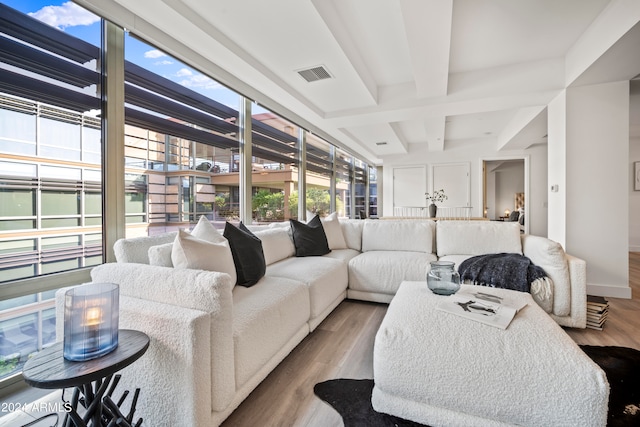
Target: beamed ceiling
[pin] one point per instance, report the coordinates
(402, 72)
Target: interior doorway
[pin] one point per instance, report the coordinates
(504, 189)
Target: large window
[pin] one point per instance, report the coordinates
(181, 144)
(50, 160)
(182, 158)
(360, 176)
(319, 176)
(344, 181)
(276, 156)
(373, 191)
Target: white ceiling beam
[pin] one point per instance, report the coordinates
(338, 29)
(606, 30)
(398, 137)
(428, 28)
(512, 86)
(527, 127)
(408, 110)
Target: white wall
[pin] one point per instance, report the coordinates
(474, 152)
(597, 176)
(634, 198)
(634, 156)
(556, 167)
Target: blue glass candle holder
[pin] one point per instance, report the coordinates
(90, 321)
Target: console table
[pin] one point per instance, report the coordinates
(93, 380)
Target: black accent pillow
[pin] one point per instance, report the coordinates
(248, 256)
(309, 239)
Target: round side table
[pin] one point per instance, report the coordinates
(91, 379)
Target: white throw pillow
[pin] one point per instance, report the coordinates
(190, 252)
(333, 231)
(206, 231)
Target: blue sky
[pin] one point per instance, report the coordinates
(72, 19)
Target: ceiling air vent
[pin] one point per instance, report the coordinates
(315, 73)
(381, 143)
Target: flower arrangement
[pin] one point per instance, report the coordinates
(437, 196)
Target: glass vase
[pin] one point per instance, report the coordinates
(442, 278)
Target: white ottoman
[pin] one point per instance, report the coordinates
(439, 369)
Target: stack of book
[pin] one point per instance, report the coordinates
(597, 312)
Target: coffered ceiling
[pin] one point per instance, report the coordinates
(402, 72)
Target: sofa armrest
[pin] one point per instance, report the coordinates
(551, 257)
(578, 278)
(136, 249)
(206, 291)
(175, 367)
(197, 289)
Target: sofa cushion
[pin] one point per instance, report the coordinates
(345, 255)
(265, 317)
(352, 232)
(248, 256)
(310, 238)
(191, 252)
(455, 259)
(333, 231)
(477, 237)
(326, 278)
(390, 235)
(276, 244)
(383, 271)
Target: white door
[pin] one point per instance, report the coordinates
(409, 186)
(455, 180)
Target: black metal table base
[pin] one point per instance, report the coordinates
(100, 410)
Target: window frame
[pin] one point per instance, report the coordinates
(254, 139)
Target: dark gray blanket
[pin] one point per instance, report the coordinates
(509, 271)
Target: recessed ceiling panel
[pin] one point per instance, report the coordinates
(496, 33)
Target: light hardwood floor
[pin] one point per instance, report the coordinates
(622, 327)
(342, 347)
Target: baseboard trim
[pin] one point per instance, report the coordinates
(634, 248)
(609, 291)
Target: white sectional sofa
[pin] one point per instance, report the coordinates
(212, 342)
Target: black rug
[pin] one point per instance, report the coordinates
(352, 398)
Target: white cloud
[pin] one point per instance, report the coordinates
(183, 72)
(165, 62)
(198, 81)
(68, 14)
(155, 53)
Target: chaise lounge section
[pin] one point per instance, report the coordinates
(213, 342)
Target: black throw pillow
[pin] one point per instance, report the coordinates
(248, 256)
(309, 239)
